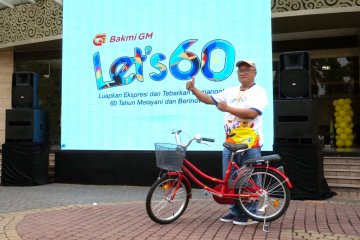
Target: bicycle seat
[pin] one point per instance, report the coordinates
(235, 147)
(268, 158)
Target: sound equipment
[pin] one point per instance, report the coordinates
(25, 164)
(25, 125)
(295, 121)
(294, 79)
(25, 90)
(303, 164)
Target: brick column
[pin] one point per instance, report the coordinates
(6, 71)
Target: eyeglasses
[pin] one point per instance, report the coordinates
(246, 71)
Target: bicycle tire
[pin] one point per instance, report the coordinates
(160, 208)
(274, 200)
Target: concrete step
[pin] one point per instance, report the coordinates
(350, 166)
(345, 191)
(342, 160)
(353, 181)
(343, 175)
(341, 172)
(340, 185)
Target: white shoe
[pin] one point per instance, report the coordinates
(228, 218)
(248, 222)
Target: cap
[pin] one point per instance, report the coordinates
(248, 62)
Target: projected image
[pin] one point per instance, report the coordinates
(125, 67)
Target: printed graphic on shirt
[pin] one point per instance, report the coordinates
(239, 130)
(243, 134)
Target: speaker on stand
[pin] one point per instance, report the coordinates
(295, 79)
(25, 125)
(25, 153)
(25, 90)
(295, 121)
(296, 128)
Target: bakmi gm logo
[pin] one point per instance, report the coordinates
(99, 39)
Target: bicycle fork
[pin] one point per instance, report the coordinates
(174, 188)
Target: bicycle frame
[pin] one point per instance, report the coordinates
(225, 191)
(261, 190)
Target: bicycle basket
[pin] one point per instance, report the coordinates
(169, 156)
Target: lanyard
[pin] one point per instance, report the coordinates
(241, 94)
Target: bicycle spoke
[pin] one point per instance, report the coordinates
(270, 195)
(167, 200)
(162, 204)
(272, 185)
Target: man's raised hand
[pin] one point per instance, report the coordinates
(190, 85)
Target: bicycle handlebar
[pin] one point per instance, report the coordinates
(208, 139)
(197, 138)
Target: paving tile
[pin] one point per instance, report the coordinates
(65, 211)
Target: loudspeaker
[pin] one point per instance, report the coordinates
(295, 121)
(25, 90)
(25, 125)
(294, 79)
(25, 164)
(303, 164)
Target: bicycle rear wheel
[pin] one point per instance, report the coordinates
(273, 198)
(167, 199)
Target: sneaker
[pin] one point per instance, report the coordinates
(239, 221)
(228, 218)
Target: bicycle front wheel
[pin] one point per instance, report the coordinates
(273, 195)
(167, 199)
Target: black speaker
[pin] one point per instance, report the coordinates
(294, 79)
(25, 125)
(25, 164)
(295, 121)
(303, 164)
(25, 90)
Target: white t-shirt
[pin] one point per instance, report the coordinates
(239, 130)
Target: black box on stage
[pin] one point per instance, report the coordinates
(25, 125)
(303, 164)
(25, 164)
(295, 121)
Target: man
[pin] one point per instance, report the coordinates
(243, 107)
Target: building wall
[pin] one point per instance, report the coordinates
(22, 25)
(6, 70)
(41, 21)
(30, 23)
(295, 5)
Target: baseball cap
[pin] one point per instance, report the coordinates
(248, 62)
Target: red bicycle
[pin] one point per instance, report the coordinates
(259, 188)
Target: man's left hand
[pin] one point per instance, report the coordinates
(222, 106)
